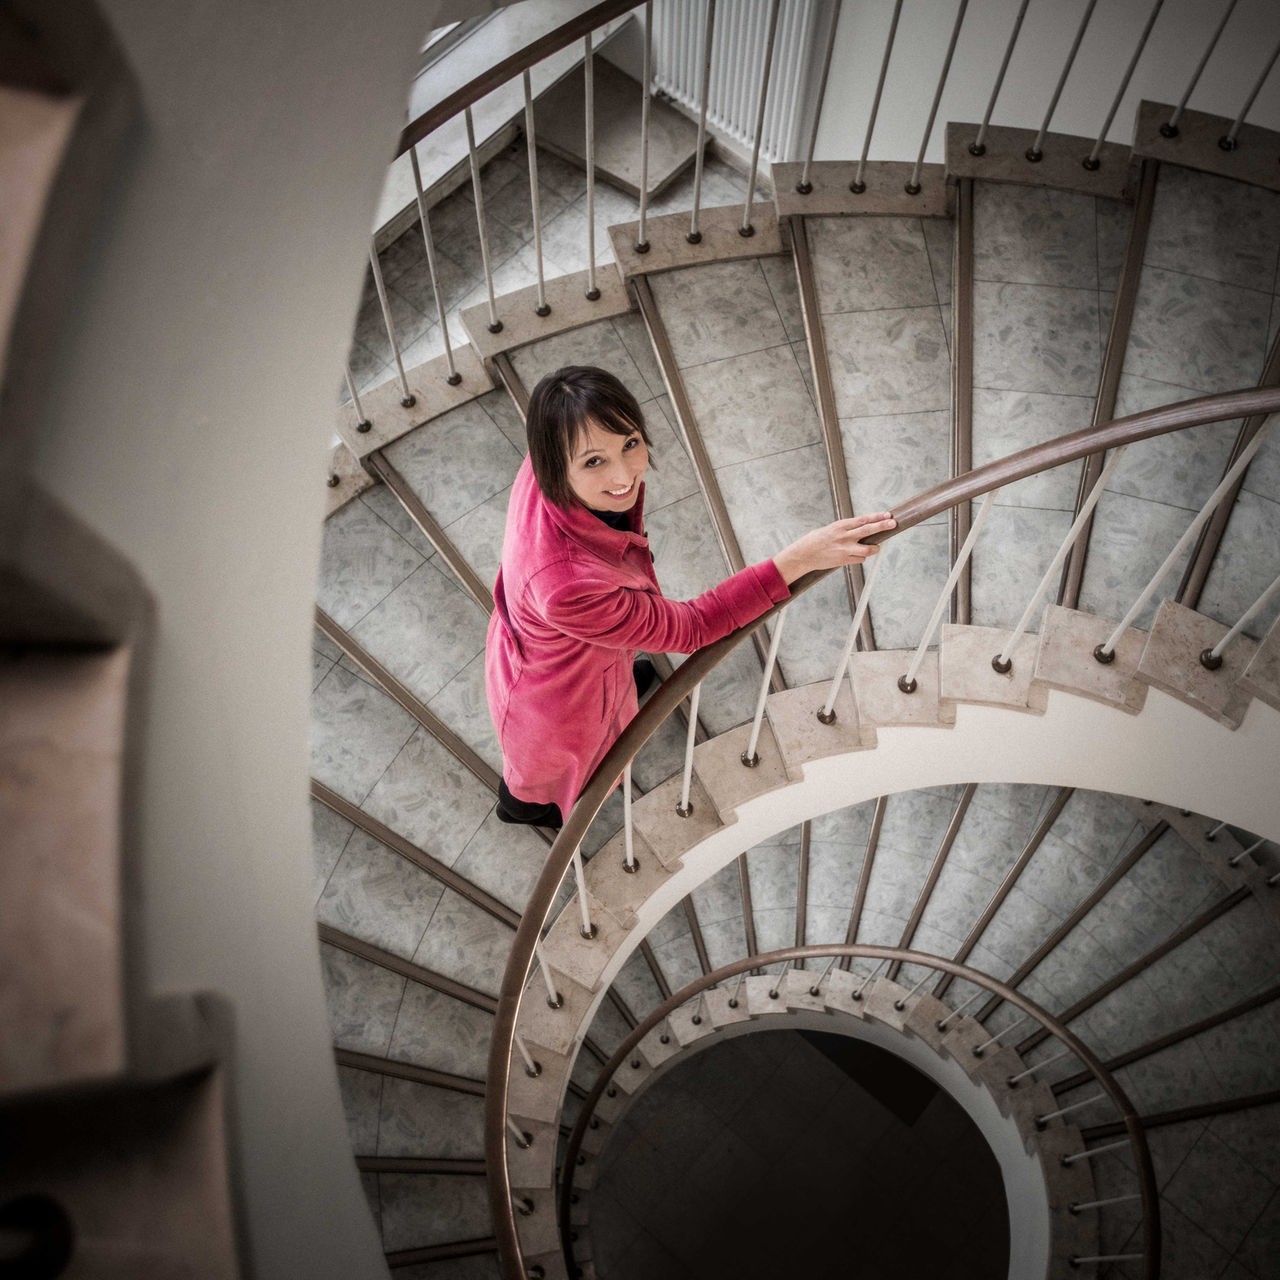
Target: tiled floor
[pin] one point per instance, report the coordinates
(761, 1158)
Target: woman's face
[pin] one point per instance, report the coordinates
(605, 469)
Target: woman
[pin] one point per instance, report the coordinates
(576, 595)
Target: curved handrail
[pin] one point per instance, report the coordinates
(512, 65)
(1128, 1113)
(923, 506)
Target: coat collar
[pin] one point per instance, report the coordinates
(590, 532)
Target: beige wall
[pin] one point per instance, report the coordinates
(187, 421)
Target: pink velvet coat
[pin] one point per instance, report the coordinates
(575, 600)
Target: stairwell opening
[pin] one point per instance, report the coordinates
(797, 1151)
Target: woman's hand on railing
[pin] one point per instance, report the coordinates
(832, 546)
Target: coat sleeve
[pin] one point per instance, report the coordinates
(595, 609)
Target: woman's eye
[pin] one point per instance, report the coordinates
(591, 462)
(631, 443)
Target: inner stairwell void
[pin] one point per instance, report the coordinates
(1035, 857)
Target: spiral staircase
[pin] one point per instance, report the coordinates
(971, 819)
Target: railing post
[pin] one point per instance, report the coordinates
(1035, 152)
(746, 229)
(695, 235)
(1170, 128)
(495, 325)
(804, 186)
(589, 83)
(454, 377)
(542, 307)
(646, 95)
(407, 398)
(859, 185)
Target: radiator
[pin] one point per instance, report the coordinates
(737, 67)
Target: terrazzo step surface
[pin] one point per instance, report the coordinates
(1045, 269)
(1205, 314)
(884, 295)
(738, 339)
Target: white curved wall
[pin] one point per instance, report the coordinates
(187, 421)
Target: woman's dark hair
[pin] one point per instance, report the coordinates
(560, 408)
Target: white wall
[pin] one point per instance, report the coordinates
(187, 421)
(1178, 39)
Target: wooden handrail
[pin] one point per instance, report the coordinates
(663, 702)
(512, 65)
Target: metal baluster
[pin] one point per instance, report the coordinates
(959, 1009)
(523, 1140)
(554, 999)
(532, 1067)
(685, 807)
(589, 81)
(858, 185)
(588, 930)
(1212, 658)
(866, 982)
(979, 1050)
(749, 757)
(543, 308)
(495, 325)
(1091, 161)
(1079, 1260)
(773, 991)
(646, 92)
(629, 861)
(1212, 833)
(978, 147)
(907, 682)
(1244, 853)
(1229, 143)
(1274, 880)
(1079, 1206)
(1003, 661)
(1014, 1081)
(747, 229)
(407, 398)
(1106, 651)
(902, 1003)
(695, 236)
(1035, 152)
(913, 183)
(454, 377)
(1042, 1121)
(1093, 1151)
(804, 186)
(828, 713)
(737, 987)
(696, 1017)
(362, 423)
(816, 989)
(1170, 128)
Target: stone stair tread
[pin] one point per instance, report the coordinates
(539, 1231)
(966, 673)
(728, 781)
(1065, 659)
(1261, 678)
(881, 704)
(1171, 662)
(583, 959)
(664, 830)
(885, 192)
(548, 1028)
(535, 1165)
(802, 737)
(721, 241)
(538, 1097)
(623, 892)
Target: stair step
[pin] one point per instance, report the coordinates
(581, 959)
(664, 830)
(534, 1165)
(1171, 662)
(803, 738)
(885, 192)
(1065, 659)
(720, 242)
(1261, 678)
(882, 705)
(539, 1231)
(538, 1097)
(728, 781)
(966, 673)
(548, 1028)
(626, 892)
